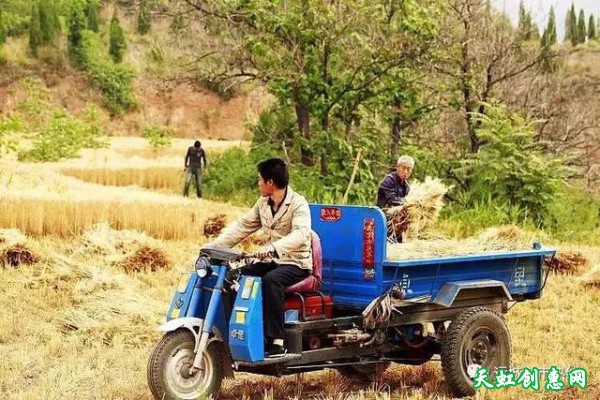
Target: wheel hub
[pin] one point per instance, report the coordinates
(480, 350)
(186, 381)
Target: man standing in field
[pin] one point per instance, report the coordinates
(284, 217)
(193, 168)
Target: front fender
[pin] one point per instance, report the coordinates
(194, 325)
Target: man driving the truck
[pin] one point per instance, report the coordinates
(286, 259)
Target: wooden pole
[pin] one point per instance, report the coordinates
(354, 171)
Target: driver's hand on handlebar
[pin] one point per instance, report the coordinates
(266, 252)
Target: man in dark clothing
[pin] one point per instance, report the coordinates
(394, 188)
(193, 168)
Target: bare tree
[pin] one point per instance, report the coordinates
(481, 50)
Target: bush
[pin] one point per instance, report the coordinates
(8, 125)
(574, 215)
(158, 137)
(232, 177)
(64, 137)
(115, 84)
(510, 167)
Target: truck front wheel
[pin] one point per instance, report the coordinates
(169, 365)
(477, 338)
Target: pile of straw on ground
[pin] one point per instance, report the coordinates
(420, 210)
(214, 225)
(130, 250)
(592, 279)
(569, 262)
(505, 238)
(101, 239)
(146, 258)
(14, 249)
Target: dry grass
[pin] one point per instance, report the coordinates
(17, 255)
(177, 219)
(77, 326)
(420, 211)
(90, 327)
(155, 178)
(146, 258)
(505, 238)
(214, 225)
(101, 239)
(15, 249)
(569, 262)
(592, 278)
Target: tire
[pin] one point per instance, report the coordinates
(168, 365)
(363, 372)
(477, 337)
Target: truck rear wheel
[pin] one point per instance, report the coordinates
(169, 364)
(363, 372)
(477, 338)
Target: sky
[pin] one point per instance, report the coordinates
(539, 11)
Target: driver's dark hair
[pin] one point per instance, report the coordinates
(276, 170)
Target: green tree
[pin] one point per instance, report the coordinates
(318, 61)
(571, 26)
(592, 28)
(526, 27)
(49, 22)
(143, 19)
(549, 37)
(92, 16)
(117, 44)
(511, 166)
(581, 28)
(77, 24)
(2, 29)
(35, 30)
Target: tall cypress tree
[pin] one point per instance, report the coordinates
(592, 28)
(35, 30)
(527, 29)
(49, 21)
(77, 23)
(92, 16)
(550, 31)
(143, 20)
(581, 29)
(571, 26)
(117, 45)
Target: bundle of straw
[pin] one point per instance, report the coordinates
(420, 209)
(14, 250)
(214, 225)
(16, 255)
(146, 258)
(569, 262)
(101, 239)
(592, 279)
(505, 238)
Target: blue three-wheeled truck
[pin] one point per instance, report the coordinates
(361, 313)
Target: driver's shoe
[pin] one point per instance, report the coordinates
(276, 351)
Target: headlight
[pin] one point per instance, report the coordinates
(203, 268)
